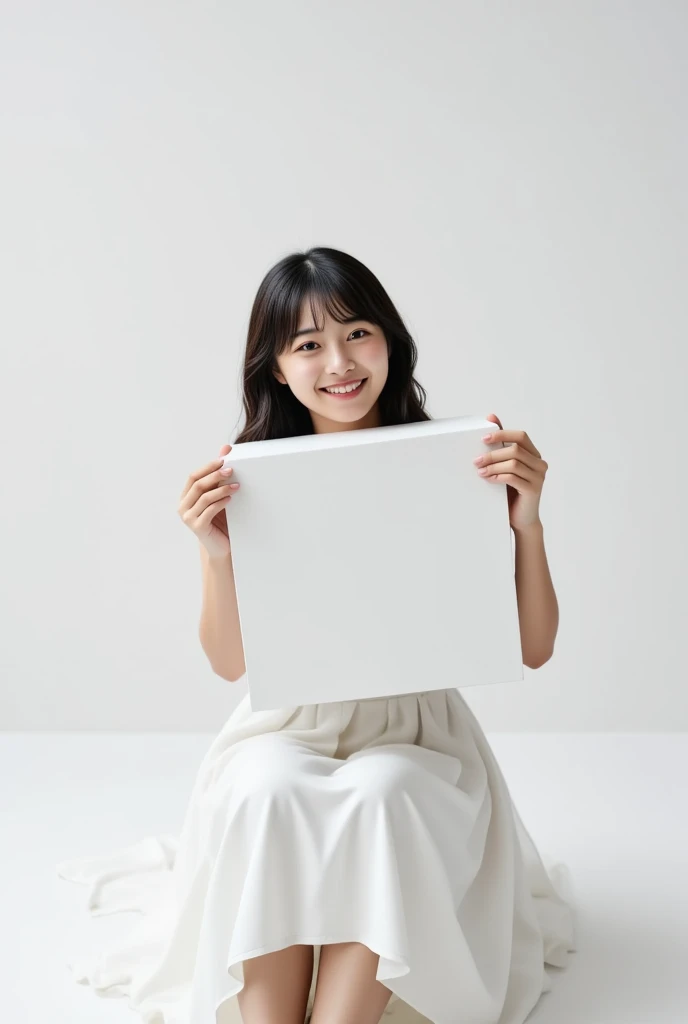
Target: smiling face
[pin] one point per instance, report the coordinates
(315, 359)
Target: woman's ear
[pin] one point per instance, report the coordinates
(279, 376)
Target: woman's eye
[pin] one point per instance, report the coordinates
(358, 330)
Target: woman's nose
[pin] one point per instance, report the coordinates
(341, 363)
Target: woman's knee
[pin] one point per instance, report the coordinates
(380, 777)
(267, 766)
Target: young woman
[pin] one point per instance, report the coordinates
(345, 860)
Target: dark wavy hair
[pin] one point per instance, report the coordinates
(334, 281)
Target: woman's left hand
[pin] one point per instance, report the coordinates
(520, 467)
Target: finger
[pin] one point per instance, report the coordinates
(515, 476)
(517, 482)
(199, 474)
(518, 436)
(511, 453)
(210, 509)
(208, 498)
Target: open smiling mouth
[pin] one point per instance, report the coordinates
(343, 396)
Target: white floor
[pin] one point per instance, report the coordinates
(613, 807)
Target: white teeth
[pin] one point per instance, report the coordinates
(343, 391)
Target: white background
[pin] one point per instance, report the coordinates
(515, 176)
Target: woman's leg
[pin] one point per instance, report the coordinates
(347, 991)
(276, 986)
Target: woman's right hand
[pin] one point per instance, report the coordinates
(202, 505)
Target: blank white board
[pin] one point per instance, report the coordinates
(372, 562)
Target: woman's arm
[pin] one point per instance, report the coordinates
(219, 630)
(538, 610)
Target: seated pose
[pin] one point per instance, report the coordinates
(342, 861)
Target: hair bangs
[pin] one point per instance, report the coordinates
(327, 293)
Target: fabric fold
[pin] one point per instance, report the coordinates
(386, 822)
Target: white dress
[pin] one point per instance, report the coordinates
(384, 821)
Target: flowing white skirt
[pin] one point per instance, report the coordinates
(386, 822)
